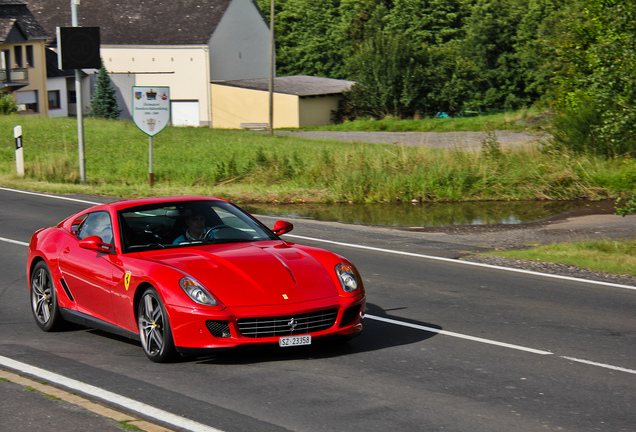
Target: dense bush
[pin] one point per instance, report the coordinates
(7, 104)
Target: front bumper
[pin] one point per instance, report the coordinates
(200, 330)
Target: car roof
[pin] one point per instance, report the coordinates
(124, 204)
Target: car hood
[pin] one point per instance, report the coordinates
(248, 274)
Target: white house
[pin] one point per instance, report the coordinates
(182, 44)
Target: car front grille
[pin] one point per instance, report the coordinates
(261, 327)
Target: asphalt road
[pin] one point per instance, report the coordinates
(447, 346)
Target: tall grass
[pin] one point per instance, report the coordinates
(252, 167)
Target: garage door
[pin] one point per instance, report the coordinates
(185, 113)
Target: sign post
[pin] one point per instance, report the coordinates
(19, 151)
(151, 114)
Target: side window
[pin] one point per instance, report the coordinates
(76, 224)
(99, 224)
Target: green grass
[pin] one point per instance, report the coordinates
(125, 425)
(616, 257)
(253, 167)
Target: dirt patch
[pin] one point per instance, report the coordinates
(471, 141)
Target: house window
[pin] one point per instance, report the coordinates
(54, 99)
(72, 97)
(5, 59)
(29, 56)
(17, 53)
(27, 101)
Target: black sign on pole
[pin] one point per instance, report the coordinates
(78, 48)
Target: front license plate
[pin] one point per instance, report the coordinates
(294, 340)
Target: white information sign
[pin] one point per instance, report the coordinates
(151, 109)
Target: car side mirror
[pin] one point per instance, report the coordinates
(282, 227)
(95, 243)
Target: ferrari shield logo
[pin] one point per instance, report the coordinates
(127, 280)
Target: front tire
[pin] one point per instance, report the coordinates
(44, 299)
(154, 328)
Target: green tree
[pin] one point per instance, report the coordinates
(390, 75)
(596, 84)
(305, 40)
(489, 44)
(104, 101)
(428, 22)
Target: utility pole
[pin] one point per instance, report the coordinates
(79, 102)
(272, 66)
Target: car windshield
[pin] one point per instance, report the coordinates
(186, 223)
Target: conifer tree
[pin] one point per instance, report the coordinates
(104, 101)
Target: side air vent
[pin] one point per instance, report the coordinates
(66, 290)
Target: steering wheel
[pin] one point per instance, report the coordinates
(209, 233)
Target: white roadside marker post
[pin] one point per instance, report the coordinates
(19, 151)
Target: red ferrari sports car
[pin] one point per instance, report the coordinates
(189, 274)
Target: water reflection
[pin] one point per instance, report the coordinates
(431, 214)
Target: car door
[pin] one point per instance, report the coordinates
(88, 273)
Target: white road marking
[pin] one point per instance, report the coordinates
(456, 261)
(492, 342)
(114, 398)
(457, 335)
(21, 243)
(50, 196)
(603, 365)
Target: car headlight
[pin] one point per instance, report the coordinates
(196, 292)
(347, 277)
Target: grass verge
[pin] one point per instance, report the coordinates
(251, 167)
(607, 256)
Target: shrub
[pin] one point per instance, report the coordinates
(7, 104)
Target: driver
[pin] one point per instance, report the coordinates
(195, 228)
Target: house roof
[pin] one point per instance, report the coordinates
(15, 13)
(137, 22)
(299, 85)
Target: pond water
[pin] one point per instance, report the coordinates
(435, 214)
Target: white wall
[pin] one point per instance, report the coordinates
(182, 68)
(58, 83)
(239, 47)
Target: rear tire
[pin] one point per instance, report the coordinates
(154, 328)
(44, 299)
